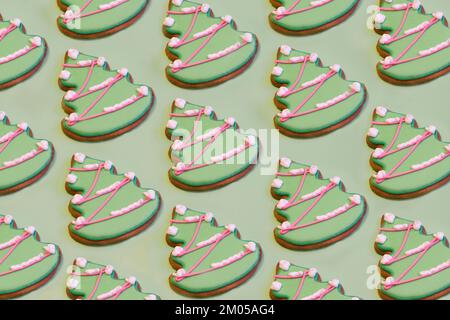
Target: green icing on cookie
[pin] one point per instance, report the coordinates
(307, 15)
(204, 48)
(92, 281)
(209, 258)
(207, 150)
(298, 283)
(20, 53)
(313, 211)
(415, 44)
(313, 98)
(22, 157)
(415, 265)
(108, 206)
(25, 262)
(101, 102)
(92, 17)
(409, 159)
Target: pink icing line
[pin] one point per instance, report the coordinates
(5, 144)
(300, 286)
(299, 189)
(399, 281)
(289, 12)
(397, 59)
(24, 236)
(327, 291)
(422, 138)
(97, 284)
(319, 85)
(35, 154)
(19, 53)
(45, 256)
(397, 132)
(191, 26)
(65, 21)
(197, 230)
(197, 120)
(402, 23)
(405, 239)
(7, 31)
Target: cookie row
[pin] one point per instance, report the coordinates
(206, 50)
(211, 259)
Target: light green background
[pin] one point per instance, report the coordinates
(248, 98)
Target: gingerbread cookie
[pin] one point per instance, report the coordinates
(21, 55)
(415, 264)
(101, 103)
(209, 259)
(23, 159)
(314, 212)
(89, 19)
(414, 45)
(205, 50)
(26, 263)
(410, 161)
(313, 99)
(108, 207)
(303, 17)
(207, 152)
(298, 283)
(91, 281)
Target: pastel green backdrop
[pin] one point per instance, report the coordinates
(248, 98)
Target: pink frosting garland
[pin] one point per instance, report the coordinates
(282, 12)
(69, 15)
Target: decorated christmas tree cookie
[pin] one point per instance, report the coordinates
(302, 17)
(91, 281)
(101, 103)
(26, 263)
(314, 212)
(415, 264)
(207, 152)
(109, 207)
(88, 19)
(204, 50)
(313, 99)
(414, 44)
(209, 259)
(298, 283)
(410, 161)
(23, 159)
(21, 54)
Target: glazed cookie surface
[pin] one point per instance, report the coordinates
(23, 159)
(26, 263)
(209, 259)
(302, 17)
(101, 103)
(108, 207)
(410, 161)
(207, 152)
(314, 212)
(98, 18)
(92, 281)
(414, 44)
(415, 264)
(313, 99)
(205, 50)
(298, 283)
(21, 54)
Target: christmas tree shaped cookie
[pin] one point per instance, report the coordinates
(21, 55)
(313, 99)
(23, 159)
(207, 152)
(415, 264)
(414, 45)
(108, 207)
(410, 161)
(302, 17)
(91, 281)
(26, 263)
(101, 103)
(209, 259)
(298, 283)
(89, 19)
(204, 50)
(314, 212)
